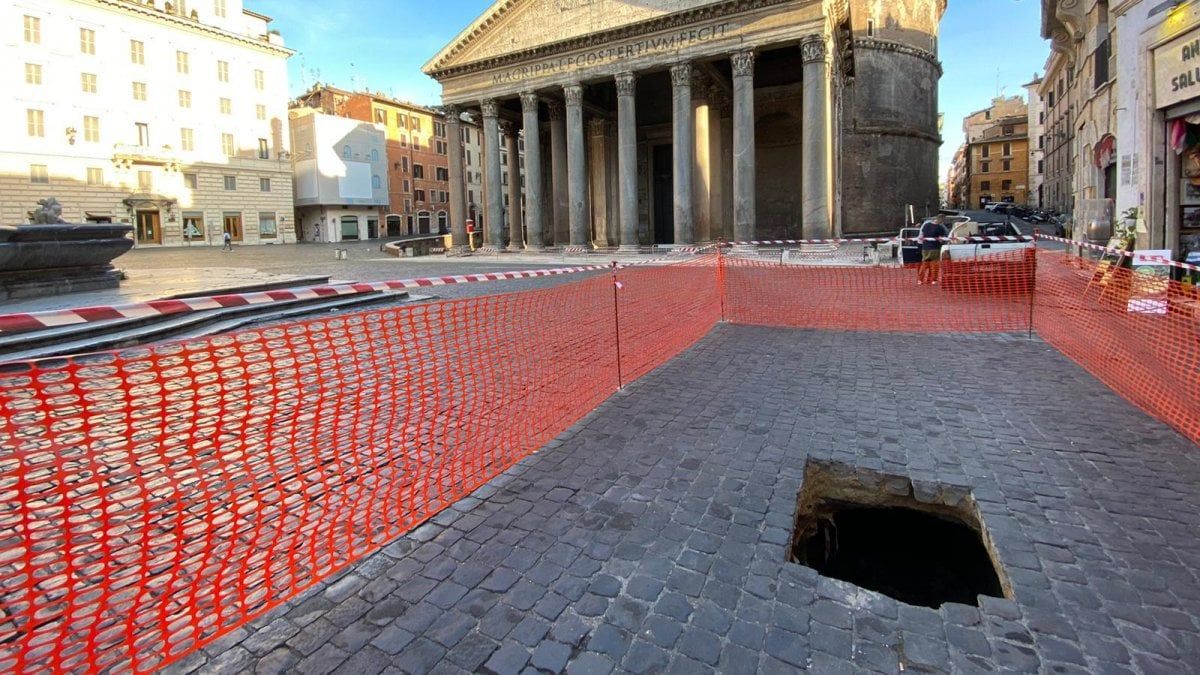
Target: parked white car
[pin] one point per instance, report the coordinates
(971, 250)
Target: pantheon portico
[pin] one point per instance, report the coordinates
(685, 121)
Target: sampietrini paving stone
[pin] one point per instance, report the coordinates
(653, 535)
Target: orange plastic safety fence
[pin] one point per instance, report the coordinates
(155, 499)
(988, 294)
(656, 326)
(1139, 334)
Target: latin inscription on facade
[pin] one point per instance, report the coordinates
(659, 44)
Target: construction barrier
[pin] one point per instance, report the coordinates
(154, 499)
(1138, 333)
(157, 498)
(991, 294)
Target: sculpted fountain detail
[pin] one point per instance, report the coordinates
(52, 257)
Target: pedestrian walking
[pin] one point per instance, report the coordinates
(228, 239)
(932, 233)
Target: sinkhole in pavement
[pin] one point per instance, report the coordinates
(922, 547)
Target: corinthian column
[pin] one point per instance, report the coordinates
(458, 202)
(533, 172)
(627, 159)
(558, 171)
(514, 219)
(682, 139)
(816, 143)
(744, 217)
(576, 167)
(491, 167)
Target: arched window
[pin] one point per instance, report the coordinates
(375, 156)
(443, 222)
(346, 152)
(376, 182)
(423, 222)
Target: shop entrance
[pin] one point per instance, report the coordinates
(233, 225)
(149, 230)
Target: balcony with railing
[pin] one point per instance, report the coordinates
(127, 155)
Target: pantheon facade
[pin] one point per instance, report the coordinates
(678, 122)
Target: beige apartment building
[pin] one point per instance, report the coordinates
(169, 116)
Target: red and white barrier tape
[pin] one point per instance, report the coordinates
(1120, 252)
(879, 240)
(14, 323)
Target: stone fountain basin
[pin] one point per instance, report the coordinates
(29, 248)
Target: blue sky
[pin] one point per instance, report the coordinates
(337, 42)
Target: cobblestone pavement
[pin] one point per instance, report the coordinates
(651, 536)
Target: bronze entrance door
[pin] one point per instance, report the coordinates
(233, 225)
(149, 230)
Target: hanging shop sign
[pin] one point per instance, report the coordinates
(1177, 70)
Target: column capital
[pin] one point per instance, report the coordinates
(598, 126)
(452, 113)
(681, 75)
(508, 128)
(743, 63)
(557, 111)
(573, 94)
(489, 107)
(812, 49)
(529, 101)
(626, 84)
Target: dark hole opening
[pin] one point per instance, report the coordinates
(915, 557)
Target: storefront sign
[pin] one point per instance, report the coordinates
(1177, 70)
(1151, 279)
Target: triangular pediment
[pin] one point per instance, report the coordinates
(513, 26)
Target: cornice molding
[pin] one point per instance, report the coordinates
(194, 26)
(898, 48)
(438, 71)
(1073, 15)
(894, 131)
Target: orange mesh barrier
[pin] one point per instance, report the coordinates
(1137, 334)
(155, 499)
(989, 294)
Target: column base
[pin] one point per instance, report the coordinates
(516, 248)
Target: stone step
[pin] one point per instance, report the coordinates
(183, 326)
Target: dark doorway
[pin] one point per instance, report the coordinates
(664, 195)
